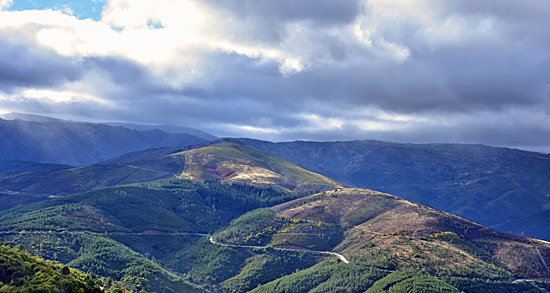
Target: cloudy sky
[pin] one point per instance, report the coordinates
(413, 71)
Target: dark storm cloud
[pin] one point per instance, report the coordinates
(24, 64)
(265, 20)
(324, 12)
(245, 92)
(505, 67)
(451, 81)
(483, 78)
(133, 81)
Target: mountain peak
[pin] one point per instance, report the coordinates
(232, 162)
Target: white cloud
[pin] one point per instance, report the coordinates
(5, 4)
(62, 40)
(60, 96)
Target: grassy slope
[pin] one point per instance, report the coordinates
(232, 162)
(104, 257)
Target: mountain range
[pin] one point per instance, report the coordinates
(227, 162)
(239, 215)
(507, 189)
(174, 129)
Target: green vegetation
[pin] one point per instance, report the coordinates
(262, 227)
(478, 285)
(253, 228)
(22, 272)
(314, 235)
(446, 236)
(208, 263)
(171, 205)
(410, 282)
(94, 231)
(268, 266)
(82, 179)
(104, 257)
(326, 276)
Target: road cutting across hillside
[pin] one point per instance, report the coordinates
(340, 257)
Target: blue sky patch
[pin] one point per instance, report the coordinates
(81, 9)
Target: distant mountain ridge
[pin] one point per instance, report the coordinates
(141, 127)
(497, 187)
(73, 143)
(166, 128)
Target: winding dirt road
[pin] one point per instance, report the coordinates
(341, 257)
(163, 233)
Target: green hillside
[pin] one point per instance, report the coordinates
(391, 243)
(231, 162)
(151, 237)
(22, 272)
(8, 166)
(135, 233)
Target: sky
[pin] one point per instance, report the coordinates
(465, 71)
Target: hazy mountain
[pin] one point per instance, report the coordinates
(166, 128)
(497, 187)
(141, 127)
(31, 117)
(79, 143)
(8, 166)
